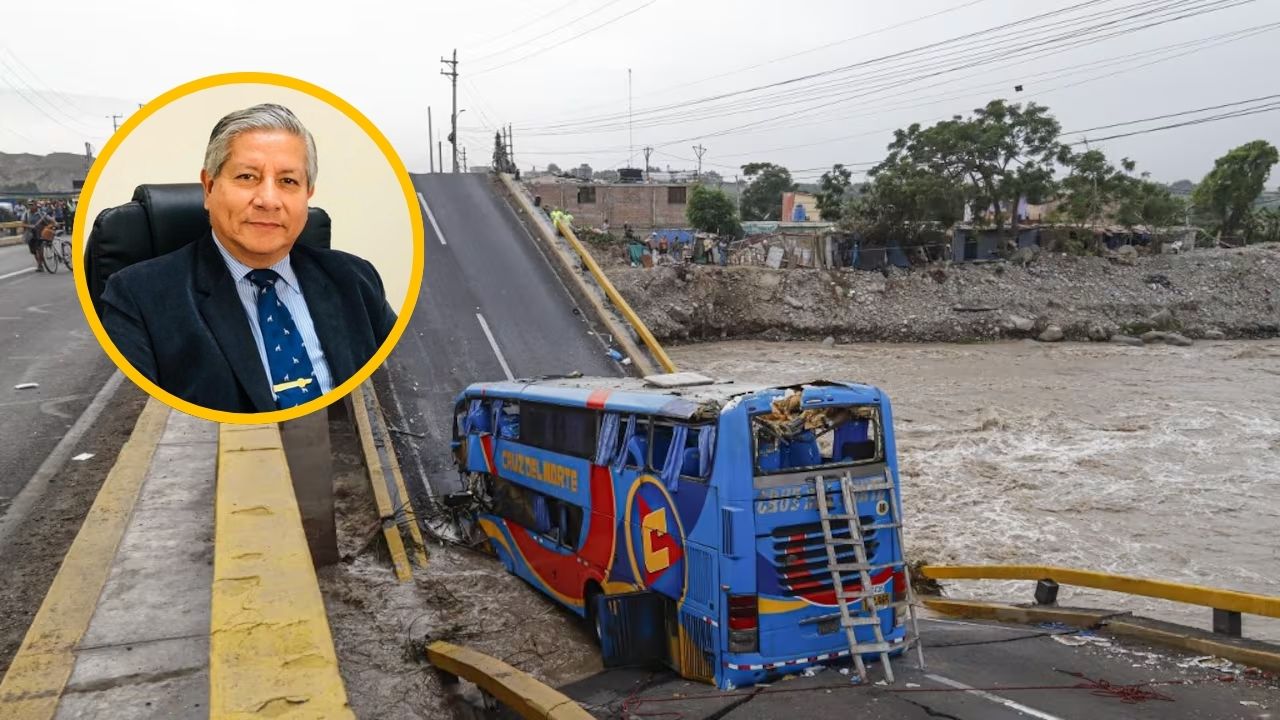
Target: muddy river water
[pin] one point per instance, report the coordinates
(1157, 461)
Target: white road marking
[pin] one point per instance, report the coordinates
(16, 273)
(39, 483)
(432, 217)
(494, 344)
(993, 698)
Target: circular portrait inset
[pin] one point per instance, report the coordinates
(252, 248)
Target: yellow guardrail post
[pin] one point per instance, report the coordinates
(271, 653)
(513, 688)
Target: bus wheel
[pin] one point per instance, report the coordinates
(594, 615)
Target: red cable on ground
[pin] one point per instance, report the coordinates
(1128, 694)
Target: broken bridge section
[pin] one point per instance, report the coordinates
(491, 307)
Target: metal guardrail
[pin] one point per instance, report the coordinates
(616, 298)
(1228, 605)
(518, 690)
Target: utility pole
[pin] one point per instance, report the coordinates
(465, 167)
(453, 134)
(440, 153)
(631, 134)
(698, 150)
(115, 122)
(431, 141)
(511, 145)
(647, 152)
(88, 156)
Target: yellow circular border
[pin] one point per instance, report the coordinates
(415, 221)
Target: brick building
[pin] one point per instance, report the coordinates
(641, 206)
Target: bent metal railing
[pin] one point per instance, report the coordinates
(1228, 605)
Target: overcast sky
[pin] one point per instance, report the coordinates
(557, 71)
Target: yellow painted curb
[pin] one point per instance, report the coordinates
(1188, 639)
(382, 498)
(1230, 600)
(270, 650)
(34, 683)
(378, 424)
(621, 336)
(513, 688)
(1014, 613)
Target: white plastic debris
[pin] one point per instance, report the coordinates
(813, 670)
(1250, 703)
(844, 671)
(26, 386)
(881, 682)
(82, 457)
(913, 685)
(1078, 640)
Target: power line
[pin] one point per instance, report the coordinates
(1243, 112)
(562, 26)
(667, 89)
(1171, 115)
(1186, 48)
(521, 27)
(831, 71)
(563, 42)
(1041, 44)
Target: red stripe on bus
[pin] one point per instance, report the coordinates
(596, 399)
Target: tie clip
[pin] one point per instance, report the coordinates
(299, 383)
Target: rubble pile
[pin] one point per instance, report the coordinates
(1171, 299)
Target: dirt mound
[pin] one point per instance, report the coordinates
(1205, 294)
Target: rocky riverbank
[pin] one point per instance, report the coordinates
(1214, 294)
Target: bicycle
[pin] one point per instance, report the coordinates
(49, 255)
(62, 246)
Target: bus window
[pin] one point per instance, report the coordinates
(571, 431)
(565, 523)
(699, 447)
(637, 451)
(507, 418)
(817, 437)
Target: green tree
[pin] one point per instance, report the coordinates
(900, 202)
(501, 163)
(1150, 203)
(831, 191)
(1236, 180)
(1091, 193)
(711, 210)
(1003, 153)
(762, 199)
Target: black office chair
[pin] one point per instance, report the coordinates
(159, 220)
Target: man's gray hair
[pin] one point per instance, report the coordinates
(267, 116)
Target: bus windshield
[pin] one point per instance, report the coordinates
(791, 438)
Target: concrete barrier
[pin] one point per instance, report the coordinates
(271, 651)
(638, 358)
(517, 690)
(395, 507)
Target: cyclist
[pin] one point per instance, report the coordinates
(38, 223)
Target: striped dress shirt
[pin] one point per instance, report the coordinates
(290, 293)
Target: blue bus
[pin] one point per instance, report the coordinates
(680, 516)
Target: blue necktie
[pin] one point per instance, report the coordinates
(293, 381)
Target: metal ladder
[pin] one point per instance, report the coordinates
(869, 611)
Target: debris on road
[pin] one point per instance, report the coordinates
(82, 457)
(26, 386)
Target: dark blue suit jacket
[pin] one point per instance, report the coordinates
(178, 320)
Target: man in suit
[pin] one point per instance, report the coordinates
(244, 319)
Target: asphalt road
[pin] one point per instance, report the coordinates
(490, 308)
(43, 339)
(974, 671)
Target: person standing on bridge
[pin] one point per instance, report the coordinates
(245, 319)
